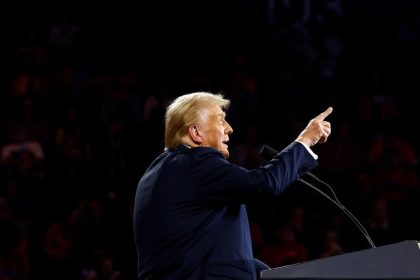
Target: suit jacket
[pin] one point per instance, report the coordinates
(190, 221)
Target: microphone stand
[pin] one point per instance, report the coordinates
(268, 152)
(344, 209)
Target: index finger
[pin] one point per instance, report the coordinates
(324, 114)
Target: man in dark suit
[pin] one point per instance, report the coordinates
(190, 221)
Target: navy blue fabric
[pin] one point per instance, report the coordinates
(190, 219)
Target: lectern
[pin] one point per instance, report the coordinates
(395, 261)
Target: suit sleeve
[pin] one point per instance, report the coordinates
(218, 179)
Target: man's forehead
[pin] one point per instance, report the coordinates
(222, 113)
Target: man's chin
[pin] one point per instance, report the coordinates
(225, 153)
(224, 150)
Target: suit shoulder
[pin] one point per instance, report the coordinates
(203, 152)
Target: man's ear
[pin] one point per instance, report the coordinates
(194, 134)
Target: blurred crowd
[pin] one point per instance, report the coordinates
(82, 102)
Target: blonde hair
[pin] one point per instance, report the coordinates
(184, 111)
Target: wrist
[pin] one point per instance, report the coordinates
(304, 140)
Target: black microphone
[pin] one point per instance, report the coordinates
(267, 153)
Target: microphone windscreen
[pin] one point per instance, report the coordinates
(267, 153)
